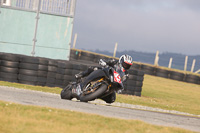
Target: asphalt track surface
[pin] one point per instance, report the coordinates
(36, 98)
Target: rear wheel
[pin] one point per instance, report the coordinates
(85, 97)
(66, 93)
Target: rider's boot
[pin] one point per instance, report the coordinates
(79, 75)
(85, 73)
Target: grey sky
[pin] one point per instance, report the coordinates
(140, 25)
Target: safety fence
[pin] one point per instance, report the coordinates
(54, 73)
(59, 7)
(89, 57)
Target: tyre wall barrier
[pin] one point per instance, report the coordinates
(55, 73)
(148, 69)
(80, 55)
(134, 83)
(192, 79)
(162, 73)
(9, 67)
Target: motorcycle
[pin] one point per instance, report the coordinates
(102, 83)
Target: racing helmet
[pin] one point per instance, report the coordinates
(125, 61)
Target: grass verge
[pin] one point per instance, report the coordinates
(15, 118)
(167, 94)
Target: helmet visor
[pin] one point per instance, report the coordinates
(126, 65)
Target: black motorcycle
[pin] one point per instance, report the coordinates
(102, 83)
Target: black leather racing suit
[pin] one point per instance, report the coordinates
(113, 63)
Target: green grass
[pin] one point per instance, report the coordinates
(157, 92)
(15, 118)
(30, 87)
(167, 94)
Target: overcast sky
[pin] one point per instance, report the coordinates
(140, 25)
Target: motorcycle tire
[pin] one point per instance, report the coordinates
(94, 95)
(66, 93)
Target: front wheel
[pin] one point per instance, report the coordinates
(66, 93)
(97, 93)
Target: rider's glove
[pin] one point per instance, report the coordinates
(125, 77)
(102, 63)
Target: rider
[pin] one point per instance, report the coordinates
(125, 62)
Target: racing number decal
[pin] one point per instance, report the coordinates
(117, 77)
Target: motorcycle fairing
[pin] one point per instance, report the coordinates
(117, 77)
(94, 75)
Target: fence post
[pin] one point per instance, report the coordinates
(186, 60)
(156, 58)
(75, 38)
(197, 71)
(0, 6)
(114, 54)
(72, 7)
(36, 26)
(193, 65)
(170, 63)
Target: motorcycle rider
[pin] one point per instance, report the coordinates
(125, 62)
